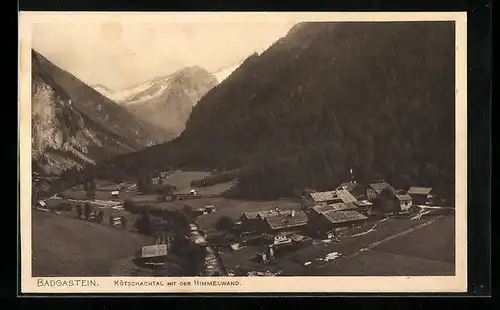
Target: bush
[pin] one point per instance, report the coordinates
(143, 224)
(154, 211)
(100, 217)
(87, 209)
(79, 210)
(225, 223)
(124, 222)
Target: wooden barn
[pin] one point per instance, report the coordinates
(374, 190)
(327, 222)
(383, 197)
(251, 221)
(405, 202)
(156, 254)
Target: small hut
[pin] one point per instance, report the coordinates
(156, 254)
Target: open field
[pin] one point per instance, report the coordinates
(232, 208)
(182, 179)
(379, 263)
(64, 246)
(434, 242)
(225, 207)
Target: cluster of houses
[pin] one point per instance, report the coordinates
(324, 214)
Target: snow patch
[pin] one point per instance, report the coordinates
(222, 74)
(158, 93)
(331, 256)
(123, 95)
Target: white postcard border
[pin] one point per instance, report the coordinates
(29, 284)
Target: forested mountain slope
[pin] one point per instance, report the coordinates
(375, 97)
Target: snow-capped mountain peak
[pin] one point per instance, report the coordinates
(167, 101)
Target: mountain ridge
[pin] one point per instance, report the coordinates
(167, 101)
(326, 98)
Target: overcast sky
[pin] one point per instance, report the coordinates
(119, 55)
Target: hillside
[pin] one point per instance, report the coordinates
(64, 246)
(375, 97)
(166, 102)
(74, 125)
(223, 73)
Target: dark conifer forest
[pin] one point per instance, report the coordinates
(375, 97)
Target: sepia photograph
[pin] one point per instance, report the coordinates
(196, 152)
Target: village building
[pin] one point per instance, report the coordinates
(251, 221)
(267, 255)
(345, 196)
(155, 254)
(327, 223)
(375, 189)
(383, 197)
(290, 222)
(405, 202)
(319, 209)
(278, 239)
(324, 198)
(420, 195)
(331, 197)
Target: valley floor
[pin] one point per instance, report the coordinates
(396, 247)
(66, 246)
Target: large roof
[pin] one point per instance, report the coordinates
(339, 194)
(419, 190)
(334, 207)
(345, 195)
(277, 221)
(403, 197)
(379, 186)
(154, 250)
(265, 213)
(350, 186)
(343, 216)
(324, 196)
